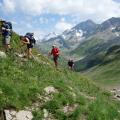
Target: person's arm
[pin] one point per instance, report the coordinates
(26, 41)
(3, 28)
(8, 30)
(50, 53)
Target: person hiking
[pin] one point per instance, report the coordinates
(55, 52)
(28, 40)
(70, 64)
(6, 34)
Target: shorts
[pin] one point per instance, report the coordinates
(6, 40)
(29, 46)
(55, 58)
(70, 64)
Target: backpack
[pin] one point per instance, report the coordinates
(30, 36)
(9, 26)
(56, 51)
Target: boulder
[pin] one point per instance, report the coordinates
(20, 115)
(50, 90)
(2, 54)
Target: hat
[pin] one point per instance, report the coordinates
(53, 45)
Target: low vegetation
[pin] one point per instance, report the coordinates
(22, 83)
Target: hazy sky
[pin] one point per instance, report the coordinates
(43, 16)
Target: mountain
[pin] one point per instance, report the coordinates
(70, 39)
(35, 85)
(110, 23)
(49, 36)
(107, 71)
(88, 27)
(107, 35)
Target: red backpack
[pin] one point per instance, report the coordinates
(55, 51)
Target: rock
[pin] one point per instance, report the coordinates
(20, 115)
(118, 96)
(114, 89)
(2, 54)
(45, 113)
(50, 90)
(69, 108)
(20, 55)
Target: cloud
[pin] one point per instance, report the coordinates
(104, 8)
(8, 6)
(39, 34)
(84, 8)
(43, 20)
(62, 25)
(28, 25)
(45, 13)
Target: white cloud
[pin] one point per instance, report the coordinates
(62, 25)
(78, 10)
(28, 25)
(43, 20)
(39, 34)
(8, 6)
(83, 8)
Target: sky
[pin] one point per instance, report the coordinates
(45, 16)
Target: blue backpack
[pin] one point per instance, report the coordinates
(9, 26)
(30, 36)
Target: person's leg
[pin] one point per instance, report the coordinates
(7, 43)
(3, 43)
(29, 53)
(56, 61)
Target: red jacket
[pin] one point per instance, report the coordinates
(55, 52)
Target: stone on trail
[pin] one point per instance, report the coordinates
(69, 108)
(45, 113)
(20, 115)
(50, 90)
(2, 54)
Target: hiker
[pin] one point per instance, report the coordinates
(70, 64)
(55, 52)
(6, 34)
(28, 40)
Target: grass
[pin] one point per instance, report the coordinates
(84, 48)
(22, 82)
(106, 74)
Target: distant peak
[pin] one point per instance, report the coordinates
(113, 19)
(89, 20)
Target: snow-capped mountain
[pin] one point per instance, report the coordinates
(49, 36)
(71, 38)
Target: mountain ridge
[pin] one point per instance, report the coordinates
(82, 32)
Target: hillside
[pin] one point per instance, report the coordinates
(36, 86)
(107, 72)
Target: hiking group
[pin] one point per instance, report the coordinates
(29, 41)
(6, 32)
